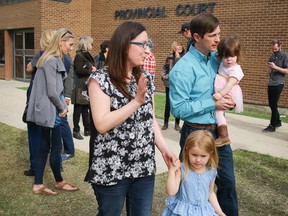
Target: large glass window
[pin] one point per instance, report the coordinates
(23, 52)
(2, 54)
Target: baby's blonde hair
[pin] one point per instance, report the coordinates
(205, 141)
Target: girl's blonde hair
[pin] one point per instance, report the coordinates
(205, 141)
(85, 43)
(54, 49)
(46, 38)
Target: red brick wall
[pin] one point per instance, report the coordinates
(255, 22)
(75, 16)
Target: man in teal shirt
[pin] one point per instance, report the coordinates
(191, 98)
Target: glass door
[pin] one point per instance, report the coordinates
(23, 45)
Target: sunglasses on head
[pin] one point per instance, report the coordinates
(67, 32)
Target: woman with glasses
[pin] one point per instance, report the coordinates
(124, 130)
(46, 106)
(84, 65)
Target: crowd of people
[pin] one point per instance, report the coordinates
(114, 94)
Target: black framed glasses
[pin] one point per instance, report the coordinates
(67, 32)
(144, 44)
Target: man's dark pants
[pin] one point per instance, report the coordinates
(273, 97)
(225, 180)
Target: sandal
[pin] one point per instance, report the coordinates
(43, 191)
(60, 186)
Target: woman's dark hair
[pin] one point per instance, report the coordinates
(118, 52)
(105, 44)
(229, 46)
(203, 23)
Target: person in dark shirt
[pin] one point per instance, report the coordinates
(102, 55)
(277, 68)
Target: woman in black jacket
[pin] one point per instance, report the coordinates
(84, 65)
(176, 53)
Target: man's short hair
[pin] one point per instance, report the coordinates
(184, 27)
(203, 23)
(275, 41)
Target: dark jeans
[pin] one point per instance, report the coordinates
(78, 110)
(273, 97)
(138, 193)
(225, 180)
(34, 140)
(50, 142)
(167, 108)
(67, 138)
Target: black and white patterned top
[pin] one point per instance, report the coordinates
(128, 150)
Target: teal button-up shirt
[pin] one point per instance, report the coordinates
(192, 87)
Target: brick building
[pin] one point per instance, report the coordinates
(256, 23)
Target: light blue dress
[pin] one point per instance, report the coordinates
(192, 196)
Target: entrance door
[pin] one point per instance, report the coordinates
(23, 52)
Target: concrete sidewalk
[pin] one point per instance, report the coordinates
(245, 132)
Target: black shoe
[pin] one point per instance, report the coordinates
(77, 135)
(279, 124)
(270, 128)
(86, 133)
(29, 172)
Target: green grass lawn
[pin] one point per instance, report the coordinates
(261, 183)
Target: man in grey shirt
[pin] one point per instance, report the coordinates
(278, 68)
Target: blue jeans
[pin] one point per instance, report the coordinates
(137, 192)
(50, 142)
(34, 139)
(225, 180)
(67, 138)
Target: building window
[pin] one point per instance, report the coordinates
(2, 54)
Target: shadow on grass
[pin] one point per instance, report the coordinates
(261, 183)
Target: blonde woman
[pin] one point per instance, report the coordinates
(177, 51)
(46, 106)
(84, 65)
(34, 130)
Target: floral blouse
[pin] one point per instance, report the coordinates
(128, 150)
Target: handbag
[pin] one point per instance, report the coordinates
(24, 116)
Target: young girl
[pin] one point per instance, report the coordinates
(226, 83)
(193, 180)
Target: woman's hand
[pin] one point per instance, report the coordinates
(174, 165)
(93, 69)
(141, 90)
(63, 114)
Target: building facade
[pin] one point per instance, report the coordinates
(256, 23)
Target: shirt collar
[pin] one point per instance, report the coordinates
(198, 55)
